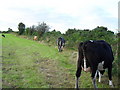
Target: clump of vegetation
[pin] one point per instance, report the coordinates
(38, 30)
(21, 28)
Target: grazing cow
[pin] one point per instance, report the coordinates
(60, 43)
(94, 56)
(35, 38)
(3, 35)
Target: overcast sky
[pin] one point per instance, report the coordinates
(59, 14)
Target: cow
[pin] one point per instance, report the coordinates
(60, 43)
(94, 56)
(3, 35)
(35, 38)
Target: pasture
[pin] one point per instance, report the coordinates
(31, 64)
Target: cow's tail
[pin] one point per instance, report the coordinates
(83, 47)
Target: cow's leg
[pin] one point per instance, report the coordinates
(62, 48)
(58, 48)
(110, 75)
(94, 74)
(99, 76)
(78, 72)
(77, 80)
(94, 83)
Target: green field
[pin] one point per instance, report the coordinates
(31, 64)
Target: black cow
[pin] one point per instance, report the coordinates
(94, 56)
(60, 43)
(3, 35)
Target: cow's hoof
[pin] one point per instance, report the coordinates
(112, 86)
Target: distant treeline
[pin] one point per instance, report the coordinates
(72, 36)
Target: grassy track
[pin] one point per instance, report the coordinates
(29, 64)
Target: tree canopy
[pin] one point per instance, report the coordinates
(21, 28)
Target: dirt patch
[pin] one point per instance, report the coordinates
(55, 76)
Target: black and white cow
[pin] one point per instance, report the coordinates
(60, 43)
(94, 56)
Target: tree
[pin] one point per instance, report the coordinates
(101, 28)
(21, 28)
(32, 30)
(27, 31)
(9, 30)
(70, 31)
(42, 28)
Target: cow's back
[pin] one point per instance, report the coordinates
(108, 54)
(98, 51)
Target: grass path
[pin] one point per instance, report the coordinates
(29, 64)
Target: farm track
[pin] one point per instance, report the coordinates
(29, 64)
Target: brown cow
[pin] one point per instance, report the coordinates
(35, 38)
